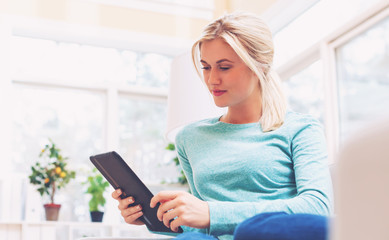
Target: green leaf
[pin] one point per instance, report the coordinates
(176, 161)
(45, 168)
(170, 147)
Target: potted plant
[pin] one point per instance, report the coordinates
(96, 188)
(182, 178)
(50, 174)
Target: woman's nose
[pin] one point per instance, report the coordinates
(213, 77)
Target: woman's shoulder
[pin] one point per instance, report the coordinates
(200, 124)
(296, 122)
(296, 118)
(304, 129)
(191, 128)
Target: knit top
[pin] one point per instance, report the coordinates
(241, 171)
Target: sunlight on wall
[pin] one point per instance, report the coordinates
(90, 13)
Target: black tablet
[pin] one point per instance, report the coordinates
(120, 175)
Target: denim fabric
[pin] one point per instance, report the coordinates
(283, 226)
(275, 226)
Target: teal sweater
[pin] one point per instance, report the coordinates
(241, 171)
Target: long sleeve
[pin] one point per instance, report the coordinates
(248, 172)
(189, 176)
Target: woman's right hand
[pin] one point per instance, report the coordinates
(130, 214)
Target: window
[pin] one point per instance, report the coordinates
(141, 132)
(74, 119)
(354, 81)
(73, 63)
(319, 21)
(64, 91)
(305, 91)
(363, 78)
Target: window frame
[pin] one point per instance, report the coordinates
(100, 37)
(65, 32)
(325, 49)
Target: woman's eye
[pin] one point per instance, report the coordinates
(205, 68)
(224, 68)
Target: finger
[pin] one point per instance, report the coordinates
(168, 217)
(131, 210)
(164, 207)
(163, 196)
(133, 218)
(116, 194)
(123, 203)
(175, 224)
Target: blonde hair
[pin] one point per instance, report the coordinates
(251, 39)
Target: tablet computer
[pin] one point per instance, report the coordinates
(120, 175)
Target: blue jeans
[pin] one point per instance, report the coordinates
(275, 226)
(283, 226)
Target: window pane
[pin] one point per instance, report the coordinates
(76, 63)
(74, 120)
(142, 144)
(153, 70)
(305, 91)
(363, 75)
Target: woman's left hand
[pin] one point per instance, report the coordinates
(181, 209)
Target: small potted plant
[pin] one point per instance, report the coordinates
(50, 174)
(182, 178)
(96, 188)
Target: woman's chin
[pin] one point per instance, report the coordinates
(220, 105)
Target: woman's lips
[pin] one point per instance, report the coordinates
(218, 93)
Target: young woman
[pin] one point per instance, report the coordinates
(256, 158)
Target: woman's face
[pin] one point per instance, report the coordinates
(230, 81)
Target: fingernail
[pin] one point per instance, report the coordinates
(118, 191)
(139, 207)
(130, 200)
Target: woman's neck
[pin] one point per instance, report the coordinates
(241, 116)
